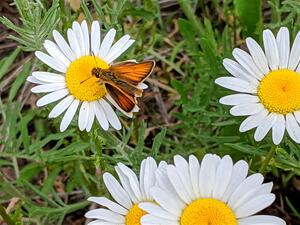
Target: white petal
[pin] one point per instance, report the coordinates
(86, 37)
(283, 43)
(100, 222)
(253, 192)
(83, 115)
(271, 49)
(55, 52)
(298, 69)
(258, 55)
(255, 205)
(149, 177)
(51, 62)
(129, 182)
(110, 115)
(246, 109)
(126, 185)
(105, 215)
(69, 115)
(207, 175)
(157, 211)
(238, 175)
(142, 179)
(49, 77)
(292, 127)
(109, 204)
(116, 47)
(253, 120)
(120, 51)
(238, 99)
(297, 116)
(91, 117)
(48, 88)
(100, 115)
(34, 80)
(52, 97)
(142, 86)
(106, 43)
(247, 63)
(278, 129)
(182, 169)
(261, 220)
(117, 192)
(236, 84)
(63, 45)
(194, 169)
(295, 53)
(74, 43)
(178, 185)
(167, 201)
(61, 106)
(154, 220)
(243, 188)
(238, 71)
(95, 37)
(264, 127)
(79, 36)
(162, 179)
(223, 176)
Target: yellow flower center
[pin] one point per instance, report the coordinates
(81, 83)
(207, 211)
(134, 216)
(279, 91)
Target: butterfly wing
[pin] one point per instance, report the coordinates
(124, 100)
(133, 72)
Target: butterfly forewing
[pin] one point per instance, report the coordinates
(132, 72)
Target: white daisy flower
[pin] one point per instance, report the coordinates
(72, 83)
(128, 194)
(269, 84)
(217, 192)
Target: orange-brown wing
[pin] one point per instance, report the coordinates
(132, 72)
(124, 100)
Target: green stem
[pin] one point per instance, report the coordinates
(268, 159)
(5, 216)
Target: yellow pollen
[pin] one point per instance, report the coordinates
(207, 211)
(279, 91)
(134, 215)
(81, 83)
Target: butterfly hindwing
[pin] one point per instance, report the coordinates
(124, 100)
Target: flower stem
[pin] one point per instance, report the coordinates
(268, 159)
(5, 216)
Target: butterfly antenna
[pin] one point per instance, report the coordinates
(95, 59)
(85, 80)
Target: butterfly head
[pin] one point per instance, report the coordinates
(96, 72)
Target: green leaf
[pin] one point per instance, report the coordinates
(49, 182)
(139, 12)
(189, 34)
(8, 61)
(29, 171)
(250, 15)
(158, 141)
(21, 78)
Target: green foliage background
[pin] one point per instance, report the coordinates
(187, 65)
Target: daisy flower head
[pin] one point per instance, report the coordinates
(217, 192)
(268, 82)
(128, 194)
(75, 82)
